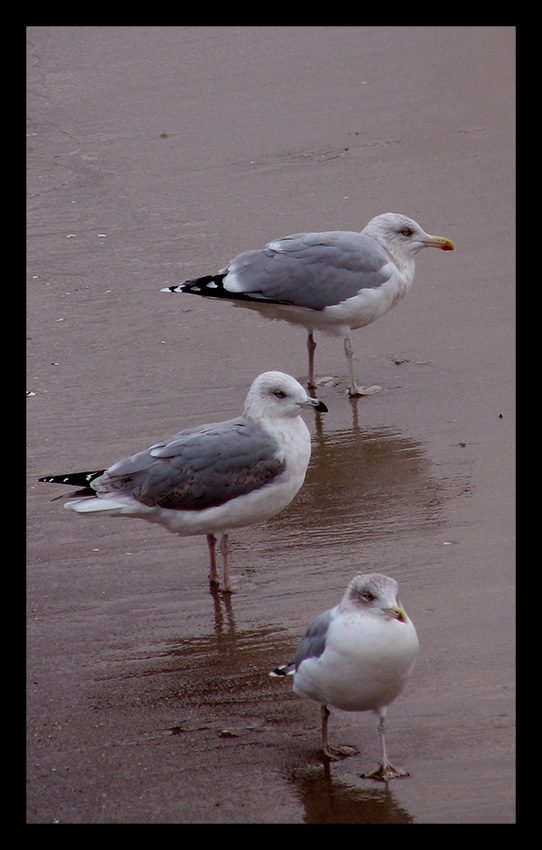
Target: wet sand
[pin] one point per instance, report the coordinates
(158, 154)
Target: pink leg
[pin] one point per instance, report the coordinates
(211, 542)
(311, 346)
(353, 389)
(386, 771)
(329, 750)
(224, 551)
(324, 713)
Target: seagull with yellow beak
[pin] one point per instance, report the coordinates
(357, 656)
(335, 281)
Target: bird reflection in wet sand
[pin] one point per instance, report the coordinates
(325, 799)
(357, 656)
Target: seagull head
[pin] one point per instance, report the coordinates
(277, 395)
(374, 594)
(402, 237)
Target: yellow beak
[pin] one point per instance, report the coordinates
(397, 612)
(440, 242)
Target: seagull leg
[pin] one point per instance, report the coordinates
(329, 750)
(353, 389)
(211, 543)
(224, 552)
(311, 347)
(386, 770)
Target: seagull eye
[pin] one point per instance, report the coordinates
(407, 231)
(280, 394)
(367, 597)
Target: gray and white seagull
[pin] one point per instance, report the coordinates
(357, 656)
(212, 478)
(335, 281)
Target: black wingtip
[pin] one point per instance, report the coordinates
(283, 670)
(73, 479)
(212, 286)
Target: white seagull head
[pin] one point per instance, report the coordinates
(276, 395)
(403, 237)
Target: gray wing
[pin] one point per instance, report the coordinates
(198, 468)
(313, 641)
(314, 270)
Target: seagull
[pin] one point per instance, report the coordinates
(335, 281)
(357, 656)
(212, 478)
